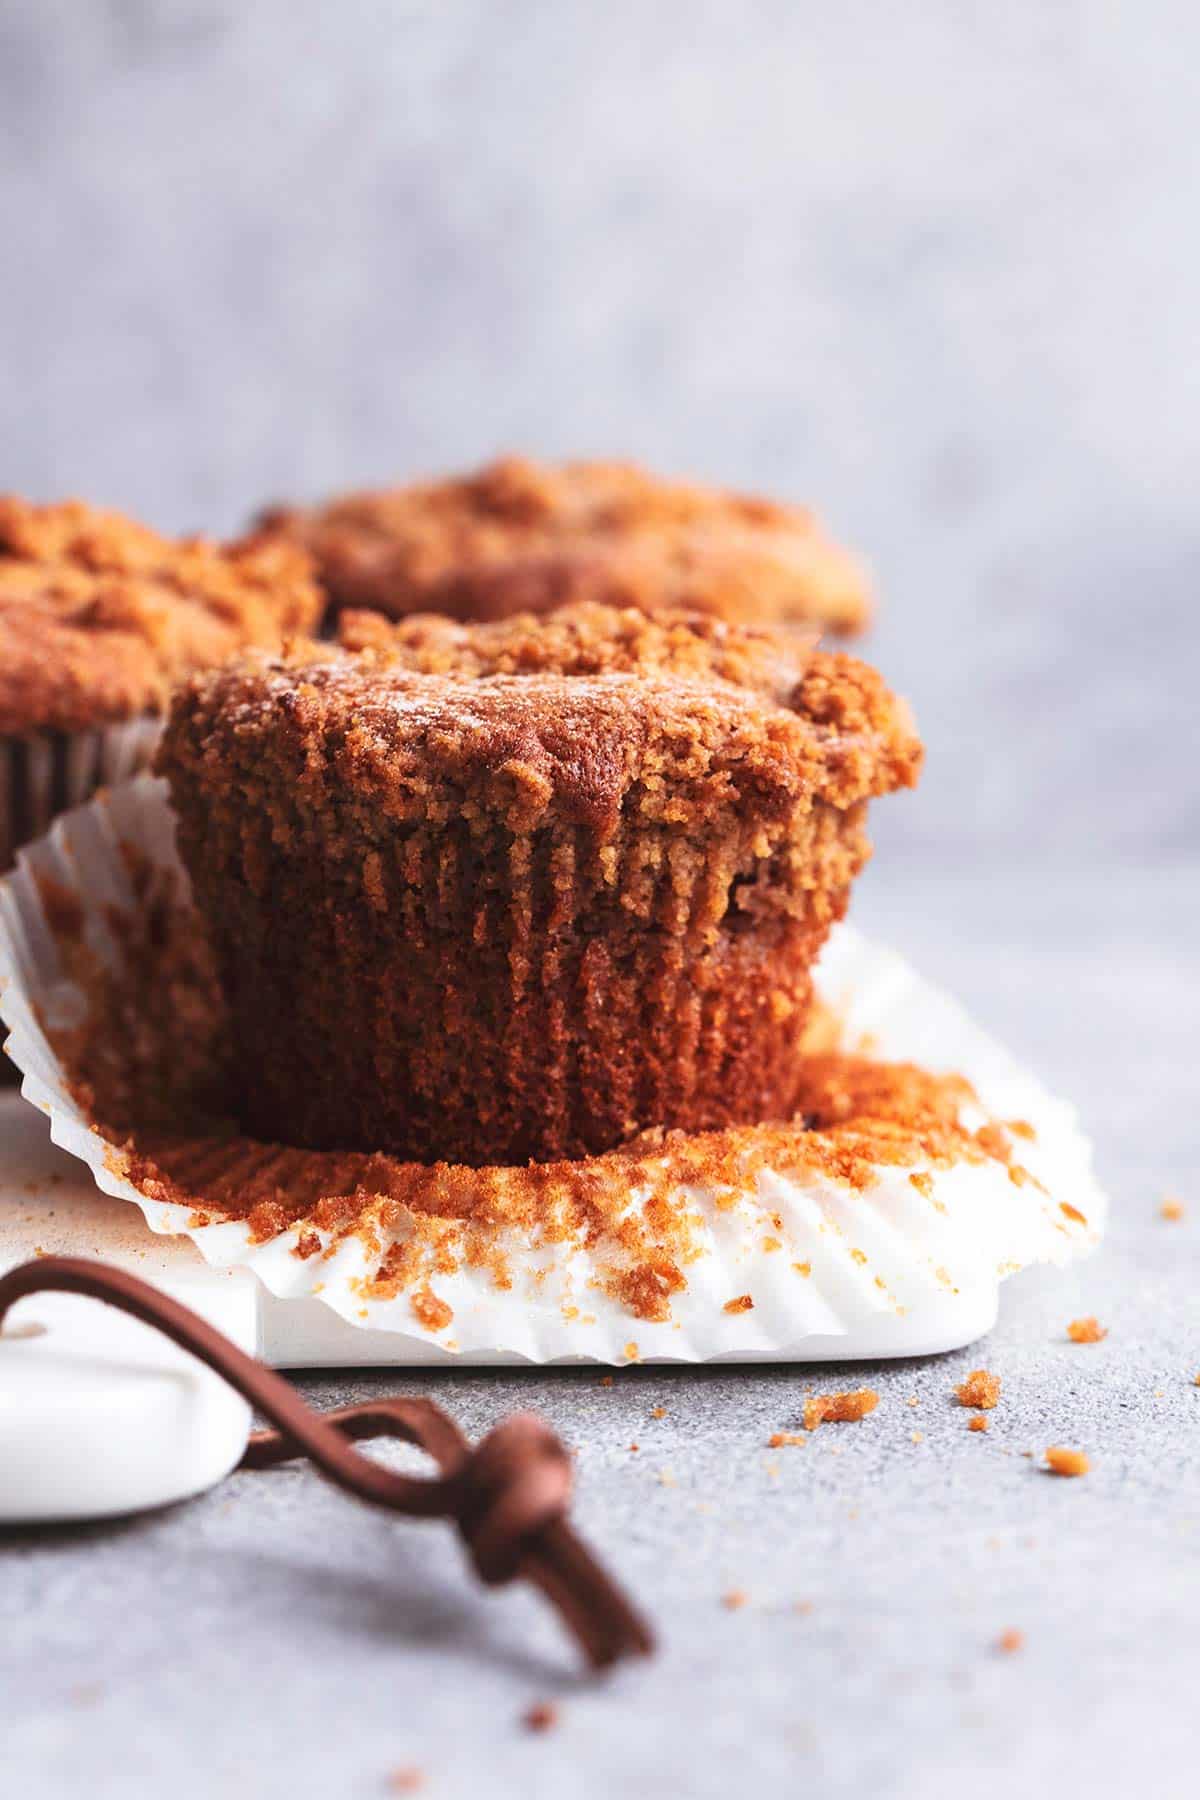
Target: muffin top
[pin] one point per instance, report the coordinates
(577, 717)
(586, 638)
(521, 536)
(99, 616)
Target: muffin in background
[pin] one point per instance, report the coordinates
(513, 892)
(522, 536)
(99, 616)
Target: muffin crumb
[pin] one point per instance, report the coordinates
(979, 1422)
(980, 1390)
(1010, 1641)
(1086, 1331)
(1172, 1208)
(839, 1409)
(408, 1780)
(1061, 1461)
(541, 1717)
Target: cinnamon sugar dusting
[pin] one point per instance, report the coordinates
(154, 1075)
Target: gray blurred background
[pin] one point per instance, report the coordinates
(933, 267)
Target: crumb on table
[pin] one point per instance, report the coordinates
(839, 1409)
(1011, 1640)
(1086, 1331)
(408, 1780)
(980, 1390)
(1061, 1461)
(542, 1716)
(1171, 1208)
(977, 1422)
(778, 1439)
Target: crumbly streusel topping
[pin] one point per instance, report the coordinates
(519, 535)
(99, 615)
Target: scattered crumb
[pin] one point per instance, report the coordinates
(429, 1310)
(740, 1303)
(918, 1437)
(541, 1717)
(606, 1381)
(980, 1390)
(409, 1780)
(1171, 1208)
(658, 1412)
(632, 1353)
(1010, 1641)
(839, 1409)
(1066, 1462)
(633, 1447)
(978, 1422)
(733, 1600)
(86, 1693)
(1086, 1331)
(307, 1244)
(778, 1439)
(913, 1400)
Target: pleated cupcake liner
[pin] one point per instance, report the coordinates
(796, 1265)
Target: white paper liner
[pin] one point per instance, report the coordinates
(876, 1259)
(51, 772)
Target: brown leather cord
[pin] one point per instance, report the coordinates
(508, 1496)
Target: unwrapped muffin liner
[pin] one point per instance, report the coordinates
(882, 1271)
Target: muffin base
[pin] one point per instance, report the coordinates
(905, 1199)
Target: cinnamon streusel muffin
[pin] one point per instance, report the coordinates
(98, 617)
(520, 891)
(521, 536)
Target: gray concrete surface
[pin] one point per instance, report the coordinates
(273, 1639)
(934, 267)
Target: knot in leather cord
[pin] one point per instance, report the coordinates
(508, 1496)
(512, 1486)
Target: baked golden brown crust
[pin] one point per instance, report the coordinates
(100, 615)
(521, 536)
(485, 917)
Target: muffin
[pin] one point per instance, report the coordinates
(98, 617)
(521, 536)
(518, 891)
